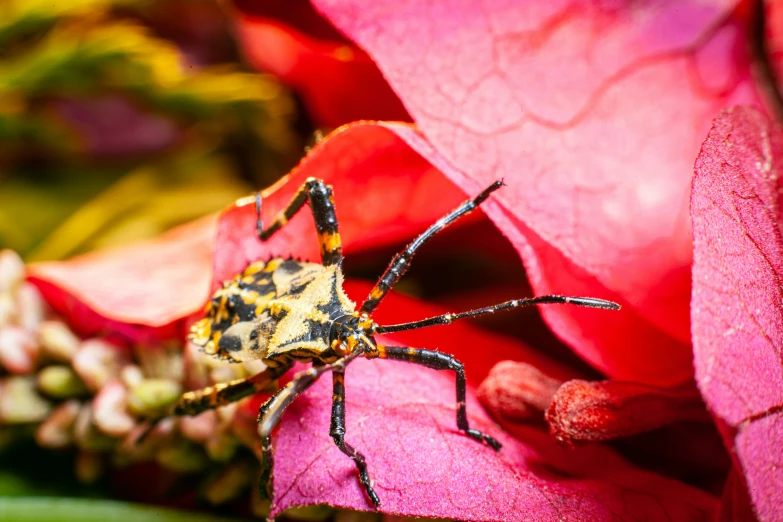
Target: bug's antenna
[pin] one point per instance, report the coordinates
(588, 302)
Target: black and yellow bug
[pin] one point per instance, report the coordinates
(280, 311)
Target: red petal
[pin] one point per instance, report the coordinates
(402, 417)
(593, 115)
(338, 81)
(736, 308)
(152, 283)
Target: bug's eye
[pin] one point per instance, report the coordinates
(253, 335)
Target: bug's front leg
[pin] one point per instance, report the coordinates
(441, 361)
(337, 431)
(319, 194)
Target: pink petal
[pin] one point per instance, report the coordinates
(402, 417)
(736, 307)
(593, 114)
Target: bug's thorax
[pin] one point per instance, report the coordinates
(353, 333)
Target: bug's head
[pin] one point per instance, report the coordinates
(352, 333)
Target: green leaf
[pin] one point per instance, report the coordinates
(53, 509)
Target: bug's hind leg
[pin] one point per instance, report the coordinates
(321, 201)
(269, 416)
(401, 262)
(337, 431)
(198, 401)
(441, 361)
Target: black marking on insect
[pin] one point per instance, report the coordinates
(280, 311)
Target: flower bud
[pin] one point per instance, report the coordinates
(110, 413)
(18, 350)
(56, 431)
(31, 307)
(57, 340)
(86, 434)
(20, 402)
(584, 411)
(131, 376)
(161, 361)
(200, 427)
(97, 362)
(7, 309)
(517, 391)
(153, 397)
(12, 271)
(60, 382)
(196, 371)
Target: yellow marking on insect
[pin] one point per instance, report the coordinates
(330, 241)
(338, 377)
(263, 301)
(339, 347)
(381, 351)
(254, 268)
(249, 297)
(272, 265)
(365, 321)
(411, 351)
(201, 331)
(376, 293)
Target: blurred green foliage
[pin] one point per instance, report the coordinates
(120, 119)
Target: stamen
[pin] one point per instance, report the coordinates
(583, 411)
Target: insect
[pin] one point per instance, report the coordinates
(283, 310)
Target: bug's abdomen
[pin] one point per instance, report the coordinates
(246, 297)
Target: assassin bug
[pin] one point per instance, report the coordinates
(280, 311)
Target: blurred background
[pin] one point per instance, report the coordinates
(120, 119)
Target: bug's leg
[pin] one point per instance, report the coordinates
(586, 302)
(322, 205)
(401, 262)
(440, 361)
(198, 401)
(337, 431)
(270, 413)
